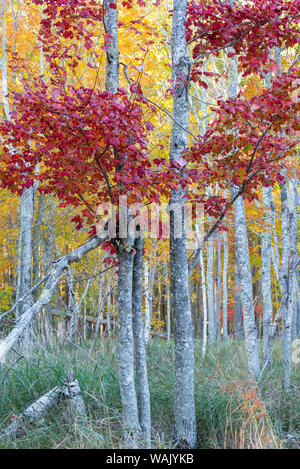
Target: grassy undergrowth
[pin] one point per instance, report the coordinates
(229, 414)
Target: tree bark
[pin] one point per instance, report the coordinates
(140, 345)
(266, 285)
(184, 405)
(242, 253)
(210, 291)
(126, 367)
(244, 267)
(125, 258)
(204, 300)
(26, 205)
(147, 287)
(166, 278)
(225, 286)
(219, 288)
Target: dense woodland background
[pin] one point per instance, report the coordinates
(145, 342)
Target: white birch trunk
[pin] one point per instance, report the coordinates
(293, 210)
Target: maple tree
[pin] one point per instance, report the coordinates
(91, 145)
(96, 127)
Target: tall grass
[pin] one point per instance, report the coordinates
(229, 413)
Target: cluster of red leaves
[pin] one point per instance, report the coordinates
(250, 28)
(71, 20)
(142, 3)
(88, 144)
(247, 140)
(79, 137)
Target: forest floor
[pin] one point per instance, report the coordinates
(229, 413)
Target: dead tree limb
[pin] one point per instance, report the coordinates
(57, 271)
(34, 412)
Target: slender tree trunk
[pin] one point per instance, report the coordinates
(26, 207)
(242, 252)
(168, 319)
(210, 290)
(284, 277)
(266, 285)
(108, 316)
(293, 210)
(289, 256)
(139, 344)
(219, 292)
(225, 287)
(147, 302)
(27, 214)
(125, 258)
(204, 299)
(244, 267)
(296, 238)
(126, 367)
(184, 405)
(99, 310)
(36, 242)
(238, 317)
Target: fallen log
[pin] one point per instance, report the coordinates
(76, 410)
(20, 424)
(93, 320)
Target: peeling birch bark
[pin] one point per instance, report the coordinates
(166, 278)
